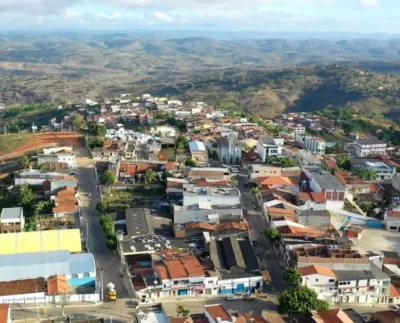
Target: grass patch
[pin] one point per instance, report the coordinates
(9, 143)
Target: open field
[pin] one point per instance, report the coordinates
(30, 142)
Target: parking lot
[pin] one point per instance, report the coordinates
(375, 240)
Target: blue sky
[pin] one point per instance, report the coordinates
(369, 16)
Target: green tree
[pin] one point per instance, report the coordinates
(25, 161)
(343, 162)
(150, 176)
(111, 244)
(299, 300)
(292, 276)
(101, 131)
(92, 126)
(102, 207)
(234, 182)
(272, 234)
(25, 195)
(182, 142)
(78, 121)
(255, 190)
(181, 310)
(41, 207)
(108, 178)
(367, 174)
(190, 162)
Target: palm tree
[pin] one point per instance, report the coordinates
(25, 161)
(150, 176)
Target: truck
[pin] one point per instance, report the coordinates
(111, 293)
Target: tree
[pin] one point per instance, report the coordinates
(25, 195)
(299, 300)
(77, 121)
(101, 207)
(254, 190)
(182, 142)
(92, 126)
(234, 182)
(108, 178)
(343, 162)
(40, 207)
(272, 234)
(190, 162)
(292, 276)
(367, 174)
(101, 131)
(25, 161)
(150, 176)
(182, 310)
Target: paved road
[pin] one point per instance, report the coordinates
(92, 230)
(258, 224)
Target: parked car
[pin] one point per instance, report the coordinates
(234, 170)
(231, 297)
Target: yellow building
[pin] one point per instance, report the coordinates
(38, 241)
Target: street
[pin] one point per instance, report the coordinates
(92, 231)
(258, 224)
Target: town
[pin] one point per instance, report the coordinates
(162, 210)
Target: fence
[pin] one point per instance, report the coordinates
(61, 299)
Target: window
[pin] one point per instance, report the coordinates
(331, 280)
(210, 282)
(316, 279)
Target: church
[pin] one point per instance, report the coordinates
(228, 151)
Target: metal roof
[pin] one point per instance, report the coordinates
(326, 180)
(81, 263)
(196, 145)
(11, 213)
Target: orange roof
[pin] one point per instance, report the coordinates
(176, 269)
(65, 205)
(318, 197)
(242, 225)
(393, 213)
(162, 271)
(314, 270)
(277, 210)
(202, 182)
(373, 188)
(394, 291)
(169, 165)
(276, 180)
(199, 225)
(272, 317)
(4, 310)
(192, 266)
(266, 276)
(57, 285)
(217, 310)
(293, 229)
(335, 316)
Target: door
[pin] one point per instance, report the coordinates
(182, 292)
(240, 288)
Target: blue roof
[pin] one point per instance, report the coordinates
(81, 263)
(196, 145)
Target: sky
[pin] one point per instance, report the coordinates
(366, 16)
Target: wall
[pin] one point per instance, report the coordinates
(200, 215)
(211, 200)
(80, 282)
(321, 284)
(229, 286)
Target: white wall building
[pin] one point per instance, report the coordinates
(266, 147)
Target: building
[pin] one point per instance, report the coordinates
(304, 158)
(198, 229)
(236, 265)
(365, 148)
(210, 173)
(323, 181)
(284, 183)
(392, 220)
(198, 152)
(321, 279)
(208, 196)
(314, 145)
(207, 213)
(257, 170)
(383, 171)
(58, 157)
(311, 200)
(12, 220)
(228, 151)
(40, 241)
(79, 269)
(5, 313)
(266, 147)
(216, 313)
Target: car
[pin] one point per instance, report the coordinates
(225, 165)
(395, 307)
(234, 170)
(254, 243)
(237, 166)
(231, 297)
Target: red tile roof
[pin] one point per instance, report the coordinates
(176, 269)
(393, 213)
(217, 310)
(192, 266)
(313, 270)
(318, 197)
(394, 291)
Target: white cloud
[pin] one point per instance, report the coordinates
(369, 3)
(162, 16)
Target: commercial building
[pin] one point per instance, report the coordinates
(194, 195)
(383, 170)
(365, 148)
(305, 158)
(314, 145)
(39, 241)
(12, 220)
(207, 213)
(323, 181)
(257, 170)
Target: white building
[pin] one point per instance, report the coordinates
(228, 151)
(321, 279)
(60, 157)
(392, 220)
(364, 148)
(208, 196)
(266, 147)
(312, 144)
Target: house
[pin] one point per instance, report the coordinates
(392, 220)
(207, 213)
(64, 202)
(166, 131)
(12, 220)
(266, 147)
(323, 181)
(216, 313)
(58, 157)
(304, 158)
(210, 173)
(314, 145)
(365, 148)
(321, 279)
(331, 316)
(354, 185)
(209, 196)
(5, 311)
(311, 200)
(228, 151)
(285, 183)
(258, 170)
(198, 152)
(383, 170)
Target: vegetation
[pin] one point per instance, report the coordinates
(372, 210)
(182, 143)
(367, 174)
(150, 176)
(107, 223)
(292, 276)
(343, 162)
(10, 142)
(78, 121)
(272, 234)
(25, 161)
(96, 129)
(254, 190)
(108, 178)
(234, 182)
(283, 161)
(190, 162)
(95, 142)
(299, 300)
(181, 310)
(25, 195)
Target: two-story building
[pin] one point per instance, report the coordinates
(198, 152)
(12, 220)
(383, 171)
(266, 147)
(316, 145)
